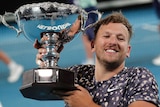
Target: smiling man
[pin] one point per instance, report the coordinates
(109, 83)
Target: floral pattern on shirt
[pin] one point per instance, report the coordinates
(129, 85)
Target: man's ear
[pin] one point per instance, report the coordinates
(92, 44)
(128, 53)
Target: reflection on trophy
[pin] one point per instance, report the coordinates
(53, 20)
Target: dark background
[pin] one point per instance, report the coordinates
(12, 5)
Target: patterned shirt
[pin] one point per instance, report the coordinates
(129, 85)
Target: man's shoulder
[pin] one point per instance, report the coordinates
(82, 67)
(138, 71)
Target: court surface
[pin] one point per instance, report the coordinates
(145, 46)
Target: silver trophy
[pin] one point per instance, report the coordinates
(53, 20)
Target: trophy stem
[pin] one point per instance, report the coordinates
(52, 44)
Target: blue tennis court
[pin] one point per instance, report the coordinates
(145, 46)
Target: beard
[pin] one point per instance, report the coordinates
(110, 65)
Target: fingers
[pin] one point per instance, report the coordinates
(39, 61)
(60, 48)
(44, 38)
(75, 27)
(36, 44)
(39, 57)
(79, 87)
(41, 51)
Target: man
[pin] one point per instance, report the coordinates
(110, 83)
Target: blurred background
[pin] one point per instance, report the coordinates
(145, 46)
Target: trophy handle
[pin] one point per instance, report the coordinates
(91, 25)
(3, 17)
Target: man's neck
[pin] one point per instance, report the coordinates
(102, 73)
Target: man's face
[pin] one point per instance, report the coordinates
(112, 43)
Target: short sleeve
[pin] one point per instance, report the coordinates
(143, 87)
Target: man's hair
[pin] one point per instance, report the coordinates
(114, 17)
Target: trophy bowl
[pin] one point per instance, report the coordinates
(53, 20)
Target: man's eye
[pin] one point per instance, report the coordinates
(122, 39)
(106, 36)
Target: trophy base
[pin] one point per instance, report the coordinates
(42, 83)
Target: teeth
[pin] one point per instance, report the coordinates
(109, 50)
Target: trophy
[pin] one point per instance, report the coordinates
(53, 20)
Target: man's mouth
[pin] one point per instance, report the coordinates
(110, 50)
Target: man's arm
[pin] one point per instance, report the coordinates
(142, 104)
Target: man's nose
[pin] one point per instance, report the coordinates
(113, 39)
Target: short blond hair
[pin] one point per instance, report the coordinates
(114, 17)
